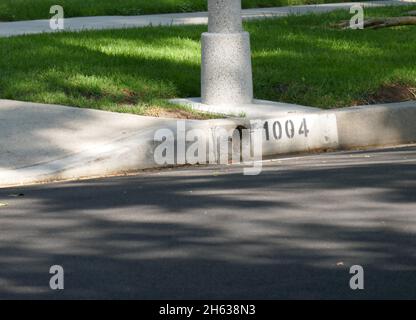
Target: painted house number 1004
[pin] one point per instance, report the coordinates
(278, 130)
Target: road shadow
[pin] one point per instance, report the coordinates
(290, 233)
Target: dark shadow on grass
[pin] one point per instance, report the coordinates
(59, 69)
(89, 77)
(313, 64)
(320, 66)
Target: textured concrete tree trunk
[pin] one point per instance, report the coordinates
(226, 56)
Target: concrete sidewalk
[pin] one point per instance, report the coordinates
(8, 29)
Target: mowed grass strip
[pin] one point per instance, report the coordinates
(296, 59)
(13, 10)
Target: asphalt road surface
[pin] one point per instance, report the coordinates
(212, 233)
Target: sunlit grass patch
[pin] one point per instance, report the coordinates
(296, 59)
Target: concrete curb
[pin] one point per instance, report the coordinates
(376, 125)
(115, 157)
(341, 129)
(364, 126)
(43, 143)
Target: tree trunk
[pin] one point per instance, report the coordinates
(381, 22)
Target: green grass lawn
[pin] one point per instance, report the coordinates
(296, 59)
(12, 10)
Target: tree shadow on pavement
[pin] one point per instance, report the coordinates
(206, 234)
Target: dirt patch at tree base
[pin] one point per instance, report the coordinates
(176, 114)
(389, 94)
